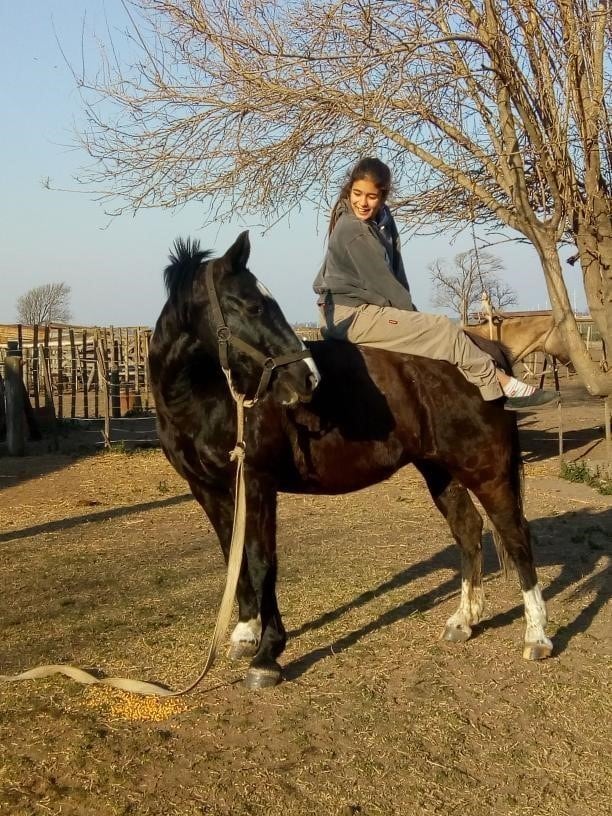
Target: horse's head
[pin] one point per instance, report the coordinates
(237, 319)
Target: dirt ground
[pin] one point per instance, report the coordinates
(107, 562)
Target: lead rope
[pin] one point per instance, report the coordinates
(234, 563)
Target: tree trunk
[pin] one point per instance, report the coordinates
(596, 382)
(595, 249)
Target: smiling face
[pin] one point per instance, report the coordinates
(365, 199)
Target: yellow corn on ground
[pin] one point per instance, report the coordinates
(131, 707)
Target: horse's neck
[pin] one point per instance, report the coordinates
(523, 338)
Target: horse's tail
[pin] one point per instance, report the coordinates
(515, 473)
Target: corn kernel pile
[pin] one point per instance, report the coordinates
(124, 706)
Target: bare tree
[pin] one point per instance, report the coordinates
(491, 111)
(459, 287)
(49, 303)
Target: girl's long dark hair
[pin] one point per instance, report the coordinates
(370, 168)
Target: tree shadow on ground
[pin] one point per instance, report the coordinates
(578, 555)
(104, 515)
(540, 445)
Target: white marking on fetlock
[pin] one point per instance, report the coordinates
(476, 604)
(247, 631)
(471, 607)
(535, 615)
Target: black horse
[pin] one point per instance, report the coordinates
(372, 413)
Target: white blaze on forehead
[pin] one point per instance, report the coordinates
(264, 290)
(308, 360)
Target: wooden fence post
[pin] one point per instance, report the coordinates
(15, 416)
(2, 410)
(103, 383)
(35, 367)
(43, 363)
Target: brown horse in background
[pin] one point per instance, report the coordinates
(372, 412)
(521, 336)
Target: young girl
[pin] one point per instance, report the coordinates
(364, 296)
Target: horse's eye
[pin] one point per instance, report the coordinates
(255, 309)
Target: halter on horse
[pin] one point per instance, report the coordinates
(372, 413)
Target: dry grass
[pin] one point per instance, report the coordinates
(107, 565)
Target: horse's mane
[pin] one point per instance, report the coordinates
(185, 260)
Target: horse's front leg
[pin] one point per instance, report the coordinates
(264, 670)
(219, 507)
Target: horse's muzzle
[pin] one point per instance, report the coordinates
(296, 382)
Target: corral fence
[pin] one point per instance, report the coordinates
(92, 375)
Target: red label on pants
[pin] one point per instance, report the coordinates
(393, 322)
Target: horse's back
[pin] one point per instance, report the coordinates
(376, 410)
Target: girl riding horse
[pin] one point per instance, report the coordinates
(364, 295)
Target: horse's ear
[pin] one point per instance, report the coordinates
(238, 254)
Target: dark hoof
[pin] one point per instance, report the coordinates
(456, 635)
(242, 649)
(537, 651)
(262, 678)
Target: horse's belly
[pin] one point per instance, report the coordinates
(345, 468)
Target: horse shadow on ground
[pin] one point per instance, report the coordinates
(578, 555)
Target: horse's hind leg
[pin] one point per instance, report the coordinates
(455, 504)
(503, 505)
(219, 507)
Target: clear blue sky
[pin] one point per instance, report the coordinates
(114, 265)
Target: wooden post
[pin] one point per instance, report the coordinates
(85, 376)
(146, 366)
(49, 404)
(60, 375)
(137, 361)
(45, 363)
(125, 350)
(114, 379)
(543, 375)
(2, 410)
(35, 367)
(95, 375)
(555, 368)
(115, 391)
(26, 367)
(13, 385)
(73, 374)
(103, 383)
(607, 420)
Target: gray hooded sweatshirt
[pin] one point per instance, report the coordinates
(363, 263)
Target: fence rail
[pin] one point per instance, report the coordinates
(92, 375)
(63, 365)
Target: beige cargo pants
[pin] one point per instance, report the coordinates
(418, 333)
